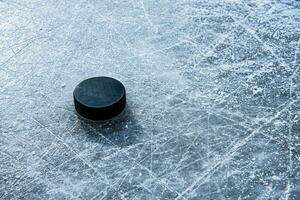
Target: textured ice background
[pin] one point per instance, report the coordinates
(213, 99)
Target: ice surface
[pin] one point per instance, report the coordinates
(213, 99)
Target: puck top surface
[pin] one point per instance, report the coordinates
(99, 98)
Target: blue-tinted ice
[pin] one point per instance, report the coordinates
(213, 90)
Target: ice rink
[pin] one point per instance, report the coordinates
(213, 99)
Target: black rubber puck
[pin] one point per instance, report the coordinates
(99, 98)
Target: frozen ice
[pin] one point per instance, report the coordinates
(213, 90)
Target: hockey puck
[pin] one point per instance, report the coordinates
(99, 98)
